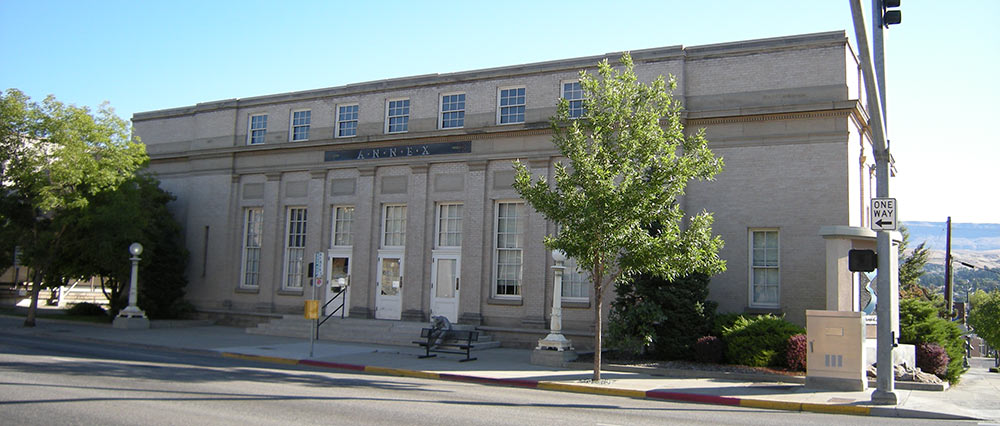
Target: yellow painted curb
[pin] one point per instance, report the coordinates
(262, 358)
(836, 409)
(400, 372)
(591, 389)
(771, 405)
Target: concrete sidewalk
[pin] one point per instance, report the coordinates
(976, 398)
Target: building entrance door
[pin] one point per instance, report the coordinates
(445, 286)
(338, 278)
(389, 287)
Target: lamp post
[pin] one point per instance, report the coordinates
(555, 340)
(132, 316)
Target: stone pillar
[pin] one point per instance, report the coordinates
(475, 285)
(535, 260)
(366, 228)
(416, 288)
(271, 250)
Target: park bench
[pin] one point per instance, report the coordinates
(452, 342)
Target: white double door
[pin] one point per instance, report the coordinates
(389, 285)
(445, 285)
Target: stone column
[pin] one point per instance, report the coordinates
(533, 275)
(416, 279)
(271, 254)
(365, 229)
(475, 285)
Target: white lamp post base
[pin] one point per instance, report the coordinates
(555, 342)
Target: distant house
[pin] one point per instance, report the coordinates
(404, 186)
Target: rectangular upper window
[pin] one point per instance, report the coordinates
(575, 282)
(300, 125)
(508, 254)
(449, 225)
(253, 223)
(394, 225)
(453, 111)
(347, 121)
(258, 129)
(343, 221)
(295, 248)
(573, 93)
(511, 106)
(764, 268)
(397, 116)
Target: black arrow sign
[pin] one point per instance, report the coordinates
(882, 224)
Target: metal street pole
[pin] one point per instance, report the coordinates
(886, 310)
(948, 289)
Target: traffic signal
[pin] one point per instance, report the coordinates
(891, 15)
(861, 260)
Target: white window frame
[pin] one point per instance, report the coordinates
(294, 269)
(562, 95)
(253, 223)
(752, 268)
(383, 240)
(251, 130)
(342, 227)
(496, 250)
(442, 112)
(388, 117)
(439, 218)
(338, 121)
(501, 107)
(292, 126)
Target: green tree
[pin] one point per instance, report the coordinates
(920, 322)
(911, 268)
(98, 236)
(53, 156)
(616, 202)
(985, 317)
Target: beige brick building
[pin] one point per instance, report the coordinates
(404, 185)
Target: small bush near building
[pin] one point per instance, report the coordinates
(795, 352)
(86, 309)
(759, 341)
(919, 323)
(709, 349)
(932, 358)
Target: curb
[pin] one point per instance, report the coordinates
(856, 410)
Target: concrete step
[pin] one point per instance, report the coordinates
(384, 332)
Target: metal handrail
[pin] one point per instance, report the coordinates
(342, 294)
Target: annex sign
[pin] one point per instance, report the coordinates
(419, 150)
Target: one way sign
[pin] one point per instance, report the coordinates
(883, 214)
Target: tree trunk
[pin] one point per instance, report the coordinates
(36, 286)
(597, 334)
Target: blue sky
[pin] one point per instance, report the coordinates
(942, 61)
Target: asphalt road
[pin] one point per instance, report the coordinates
(52, 382)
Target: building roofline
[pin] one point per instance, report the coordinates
(656, 54)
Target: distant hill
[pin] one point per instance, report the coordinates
(964, 236)
(977, 244)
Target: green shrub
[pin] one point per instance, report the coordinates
(666, 317)
(724, 321)
(86, 309)
(919, 323)
(759, 341)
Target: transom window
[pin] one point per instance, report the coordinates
(258, 129)
(252, 225)
(398, 116)
(764, 268)
(295, 247)
(300, 125)
(511, 105)
(449, 225)
(509, 246)
(347, 121)
(343, 220)
(573, 93)
(394, 226)
(452, 111)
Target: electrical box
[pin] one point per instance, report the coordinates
(835, 357)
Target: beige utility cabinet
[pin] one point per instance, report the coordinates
(835, 357)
